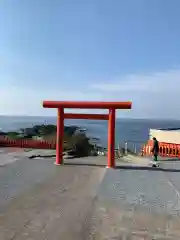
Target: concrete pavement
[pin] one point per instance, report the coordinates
(84, 200)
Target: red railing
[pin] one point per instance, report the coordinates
(27, 143)
(165, 149)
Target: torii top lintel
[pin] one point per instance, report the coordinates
(87, 105)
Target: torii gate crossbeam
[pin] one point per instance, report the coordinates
(111, 106)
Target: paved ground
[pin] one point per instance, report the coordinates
(39, 200)
(140, 203)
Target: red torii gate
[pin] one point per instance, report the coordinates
(112, 106)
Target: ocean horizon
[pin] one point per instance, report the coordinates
(133, 131)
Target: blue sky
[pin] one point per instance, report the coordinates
(90, 50)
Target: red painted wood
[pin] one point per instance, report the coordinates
(87, 105)
(86, 116)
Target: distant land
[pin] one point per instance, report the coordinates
(76, 141)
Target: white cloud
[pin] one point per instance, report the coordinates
(153, 95)
(155, 82)
(28, 101)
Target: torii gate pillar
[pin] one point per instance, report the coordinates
(112, 106)
(111, 138)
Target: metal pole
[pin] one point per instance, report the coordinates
(126, 148)
(135, 150)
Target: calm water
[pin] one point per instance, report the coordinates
(126, 129)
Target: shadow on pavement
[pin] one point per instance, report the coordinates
(170, 160)
(148, 168)
(84, 164)
(126, 167)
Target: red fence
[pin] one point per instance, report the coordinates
(165, 149)
(26, 143)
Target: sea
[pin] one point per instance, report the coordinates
(132, 131)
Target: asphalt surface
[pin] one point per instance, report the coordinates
(84, 200)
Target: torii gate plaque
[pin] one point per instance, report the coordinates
(111, 106)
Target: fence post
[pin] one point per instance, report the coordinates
(135, 150)
(126, 148)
